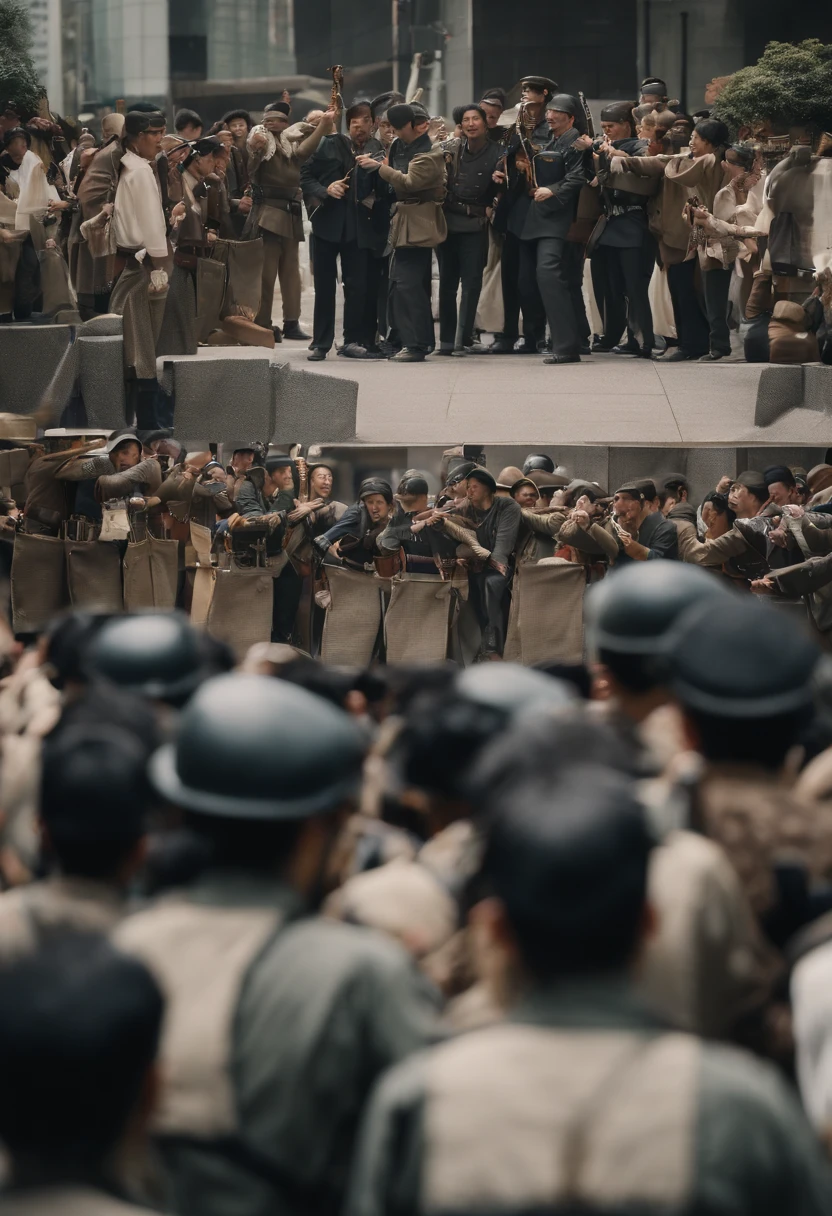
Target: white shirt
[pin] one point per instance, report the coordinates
(35, 191)
(138, 216)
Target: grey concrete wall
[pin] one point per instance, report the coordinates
(715, 44)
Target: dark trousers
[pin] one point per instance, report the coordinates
(409, 298)
(692, 328)
(354, 277)
(510, 284)
(715, 287)
(286, 593)
(547, 268)
(575, 254)
(488, 592)
(461, 260)
(621, 282)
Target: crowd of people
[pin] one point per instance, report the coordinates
(283, 936)
(683, 232)
(493, 565)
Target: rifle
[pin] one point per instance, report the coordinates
(590, 124)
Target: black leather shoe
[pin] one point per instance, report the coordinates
(586, 349)
(354, 350)
(501, 347)
(713, 356)
(524, 347)
(444, 350)
(675, 356)
(562, 359)
(278, 333)
(316, 355)
(293, 331)
(406, 355)
(625, 349)
(601, 348)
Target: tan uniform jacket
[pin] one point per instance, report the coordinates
(582, 1102)
(276, 182)
(277, 1025)
(683, 176)
(418, 219)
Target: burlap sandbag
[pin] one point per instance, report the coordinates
(39, 589)
(205, 580)
(210, 289)
(244, 264)
(240, 612)
(353, 617)
(93, 575)
(150, 574)
(417, 621)
(546, 621)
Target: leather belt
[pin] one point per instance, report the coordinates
(475, 210)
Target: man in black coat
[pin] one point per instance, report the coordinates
(545, 254)
(348, 222)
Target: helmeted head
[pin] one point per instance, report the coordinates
(258, 749)
(538, 461)
(631, 615)
(156, 655)
(617, 120)
(377, 496)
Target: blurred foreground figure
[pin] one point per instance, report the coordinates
(580, 1101)
(278, 1022)
(79, 1031)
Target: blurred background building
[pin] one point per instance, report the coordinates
(211, 55)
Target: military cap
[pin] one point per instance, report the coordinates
(495, 97)
(542, 83)
(618, 111)
(278, 460)
(507, 478)
(413, 484)
(420, 112)
(208, 145)
(401, 114)
(381, 103)
(375, 485)
(653, 86)
(281, 107)
(483, 475)
(754, 481)
(460, 472)
(565, 102)
(538, 460)
(592, 489)
(510, 688)
(153, 654)
(548, 481)
(744, 661)
(634, 489)
(634, 610)
(779, 472)
(674, 479)
(120, 437)
(519, 483)
(252, 747)
(138, 121)
(647, 487)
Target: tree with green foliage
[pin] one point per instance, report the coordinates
(20, 88)
(789, 86)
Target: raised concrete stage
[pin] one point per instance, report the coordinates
(606, 399)
(224, 393)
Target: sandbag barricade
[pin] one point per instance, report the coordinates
(423, 609)
(353, 619)
(546, 620)
(93, 575)
(39, 583)
(151, 571)
(234, 605)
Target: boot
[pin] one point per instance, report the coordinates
(293, 331)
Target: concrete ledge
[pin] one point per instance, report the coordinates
(312, 404)
(780, 388)
(102, 379)
(817, 387)
(219, 397)
(29, 356)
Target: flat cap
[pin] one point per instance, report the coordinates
(483, 475)
(542, 83)
(375, 485)
(618, 111)
(281, 107)
(138, 121)
(754, 481)
(779, 472)
(400, 115)
(564, 102)
(746, 660)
